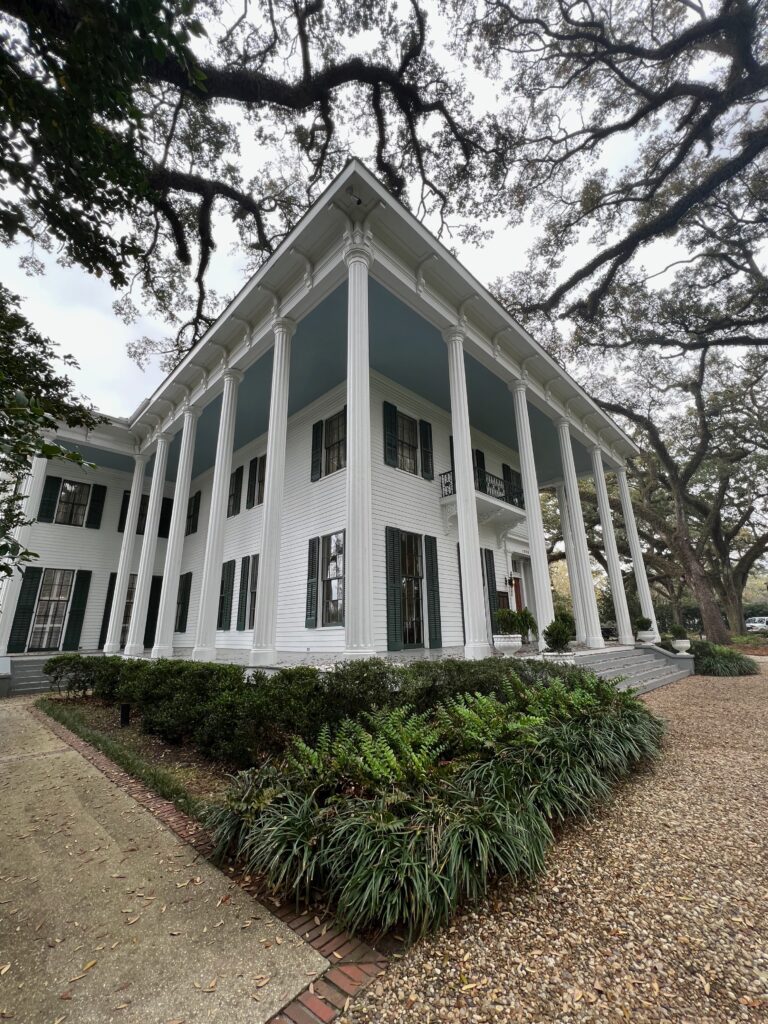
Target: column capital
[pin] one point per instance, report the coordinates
(163, 436)
(455, 334)
(232, 373)
(140, 458)
(358, 248)
(519, 385)
(284, 325)
(563, 423)
(192, 411)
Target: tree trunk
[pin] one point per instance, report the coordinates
(712, 620)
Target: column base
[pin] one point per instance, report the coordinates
(627, 641)
(133, 650)
(111, 648)
(595, 642)
(475, 652)
(162, 651)
(262, 657)
(204, 654)
(352, 653)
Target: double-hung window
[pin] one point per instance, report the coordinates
(128, 609)
(407, 443)
(73, 503)
(332, 574)
(51, 610)
(336, 442)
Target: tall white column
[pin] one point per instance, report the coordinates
(112, 643)
(358, 554)
(134, 643)
(577, 584)
(164, 634)
(205, 637)
(594, 637)
(542, 585)
(475, 626)
(636, 550)
(9, 592)
(263, 651)
(623, 623)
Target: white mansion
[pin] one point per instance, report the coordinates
(348, 463)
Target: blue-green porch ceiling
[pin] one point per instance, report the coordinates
(404, 347)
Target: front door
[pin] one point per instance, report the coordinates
(412, 565)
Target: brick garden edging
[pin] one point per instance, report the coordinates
(353, 964)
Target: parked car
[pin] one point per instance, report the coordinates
(757, 623)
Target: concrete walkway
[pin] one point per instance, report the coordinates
(105, 915)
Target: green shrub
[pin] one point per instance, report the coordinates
(642, 624)
(74, 674)
(525, 623)
(715, 660)
(506, 622)
(678, 632)
(557, 635)
(402, 816)
(570, 622)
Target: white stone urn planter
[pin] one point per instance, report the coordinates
(507, 643)
(646, 636)
(681, 646)
(558, 657)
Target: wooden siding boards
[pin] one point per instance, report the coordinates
(310, 509)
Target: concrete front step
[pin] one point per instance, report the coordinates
(641, 668)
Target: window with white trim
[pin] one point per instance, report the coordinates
(332, 576)
(51, 610)
(73, 503)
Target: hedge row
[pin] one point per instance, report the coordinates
(238, 716)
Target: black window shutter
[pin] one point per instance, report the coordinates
(195, 511)
(96, 506)
(238, 491)
(394, 573)
(242, 597)
(49, 500)
(77, 610)
(433, 592)
(142, 520)
(427, 460)
(253, 477)
(185, 586)
(25, 609)
(227, 590)
(506, 474)
(317, 450)
(107, 610)
(262, 474)
(310, 616)
(390, 434)
(479, 461)
(166, 511)
(254, 585)
(490, 582)
(153, 608)
(453, 464)
(461, 595)
(123, 511)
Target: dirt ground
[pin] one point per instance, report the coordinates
(654, 910)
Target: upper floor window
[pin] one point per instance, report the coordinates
(336, 442)
(407, 443)
(73, 503)
(404, 437)
(254, 493)
(329, 445)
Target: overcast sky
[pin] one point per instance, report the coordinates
(74, 308)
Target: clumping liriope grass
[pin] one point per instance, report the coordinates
(400, 817)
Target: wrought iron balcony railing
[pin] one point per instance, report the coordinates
(486, 483)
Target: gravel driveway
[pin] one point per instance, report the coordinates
(656, 910)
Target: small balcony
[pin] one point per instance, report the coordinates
(486, 483)
(499, 502)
